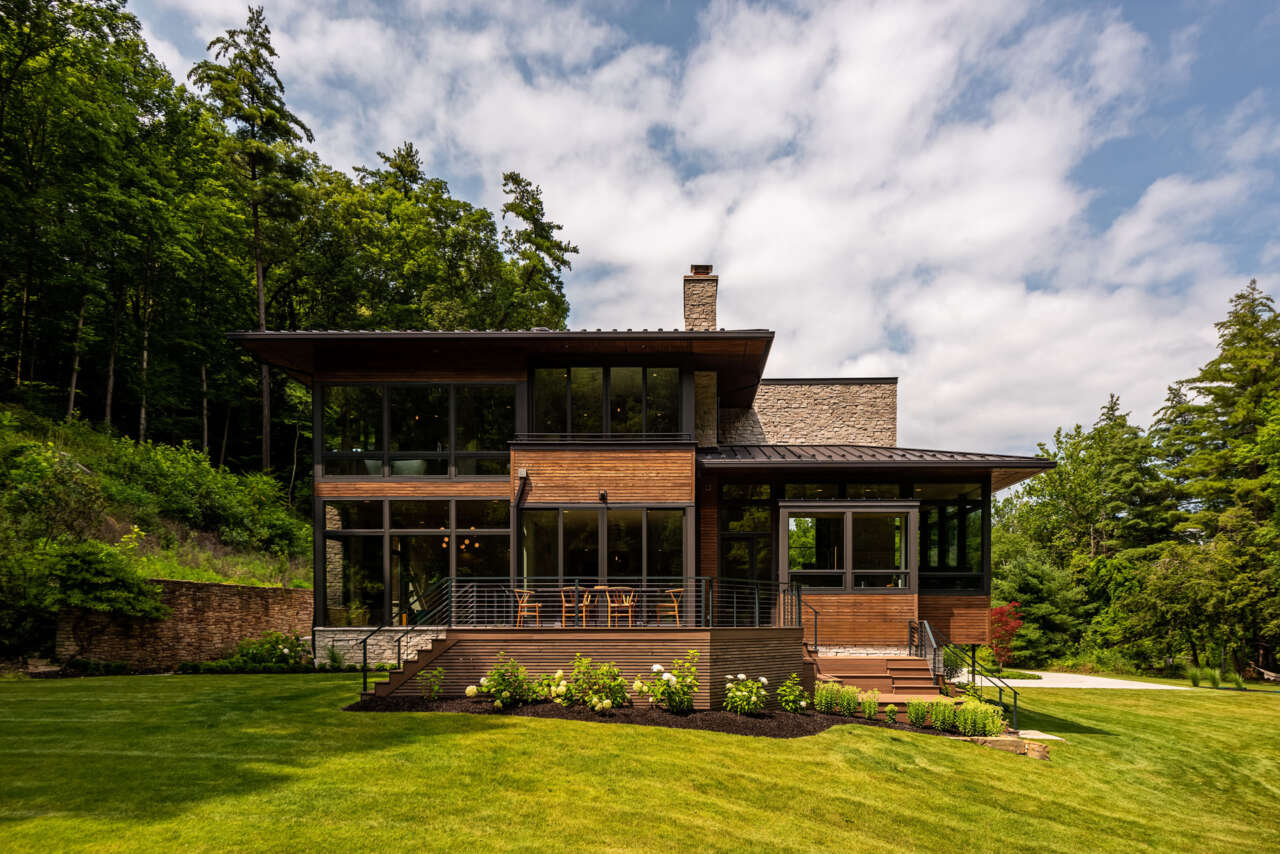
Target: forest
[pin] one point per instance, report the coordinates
(145, 212)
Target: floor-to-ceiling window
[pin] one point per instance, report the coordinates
(599, 401)
(614, 545)
(385, 560)
(417, 429)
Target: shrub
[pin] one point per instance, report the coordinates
(891, 713)
(870, 702)
(1214, 675)
(791, 695)
(1237, 680)
(744, 696)
(848, 701)
(917, 712)
(598, 687)
(826, 698)
(1193, 673)
(508, 683)
(942, 715)
(432, 683)
(272, 648)
(672, 689)
(974, 718)
(334, 658)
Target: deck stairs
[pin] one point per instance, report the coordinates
(899, 679)
(408, 668)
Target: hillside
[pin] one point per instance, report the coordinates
(166, 509)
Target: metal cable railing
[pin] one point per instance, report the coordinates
(978, 670)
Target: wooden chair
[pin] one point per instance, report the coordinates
(575, 600)
(525, 607)
(672, 607)
(620, 599)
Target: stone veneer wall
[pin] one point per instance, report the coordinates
(382, 645)
(795, 412)
(700, 302)
(206, 621)
(705, 408)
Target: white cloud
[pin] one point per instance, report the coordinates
(890, 186)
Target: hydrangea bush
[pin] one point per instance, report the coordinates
(507, 682)
(870, 702)
(848, 702)
(598, 687)
(744, 696)
(672, 689)
(792, 696)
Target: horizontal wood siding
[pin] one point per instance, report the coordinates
(772, 653)
(467, 654)
(565, 476)
(963, 619)
(413, 489)
(474, 651)
(853, 619)
(708, 528)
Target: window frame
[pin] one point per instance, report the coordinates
(602, 547)
(387, 532)
(388, 456)
(908, 509)
(606, 421)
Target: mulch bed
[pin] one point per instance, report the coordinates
(769, 725)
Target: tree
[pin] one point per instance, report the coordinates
(1005, 622)
(242, 84)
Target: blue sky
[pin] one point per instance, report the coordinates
(1016, 207)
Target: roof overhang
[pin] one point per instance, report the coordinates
(1005, 470)
(738, 356)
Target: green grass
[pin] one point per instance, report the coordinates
(1016, 674)
(270, 763)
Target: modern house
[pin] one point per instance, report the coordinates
(629, 494)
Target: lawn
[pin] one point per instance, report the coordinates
(271, 763)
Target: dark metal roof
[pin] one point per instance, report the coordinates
(1006, 469)
(737, 355)
(829, 381)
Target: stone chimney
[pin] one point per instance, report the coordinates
(700, 298)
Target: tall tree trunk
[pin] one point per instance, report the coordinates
(111, 361)
(262, 326)
(204, 408)
(142, 377)
(226, 430)
(23, 304)
(75, 357)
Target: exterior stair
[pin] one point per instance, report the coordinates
(898, 679)
(409, 668)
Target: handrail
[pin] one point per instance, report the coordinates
(976, 669)
(364, 645)
(800, 601)
(922, 644)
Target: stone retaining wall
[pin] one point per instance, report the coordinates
(382, 646)
(206, 622)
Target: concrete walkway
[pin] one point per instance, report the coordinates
(1081, 680)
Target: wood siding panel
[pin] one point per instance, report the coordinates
(963, 619)
(708, 546)
(467, 654)
(852, 619)
(413, 489)
(573, 476)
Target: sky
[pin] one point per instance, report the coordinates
(1017, 208)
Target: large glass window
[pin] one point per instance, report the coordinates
(427, 542)
(815, 549)
(664, 544)
(354, 588)
(879, 554)
(581, 545)
(746, 532)
(551, 400)
(951, 532)
(621, 401)
(485, 418)
(641, 545)
(352, 426)
(539, 545)
(419, 419)
(434, 429)
(586, 400)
